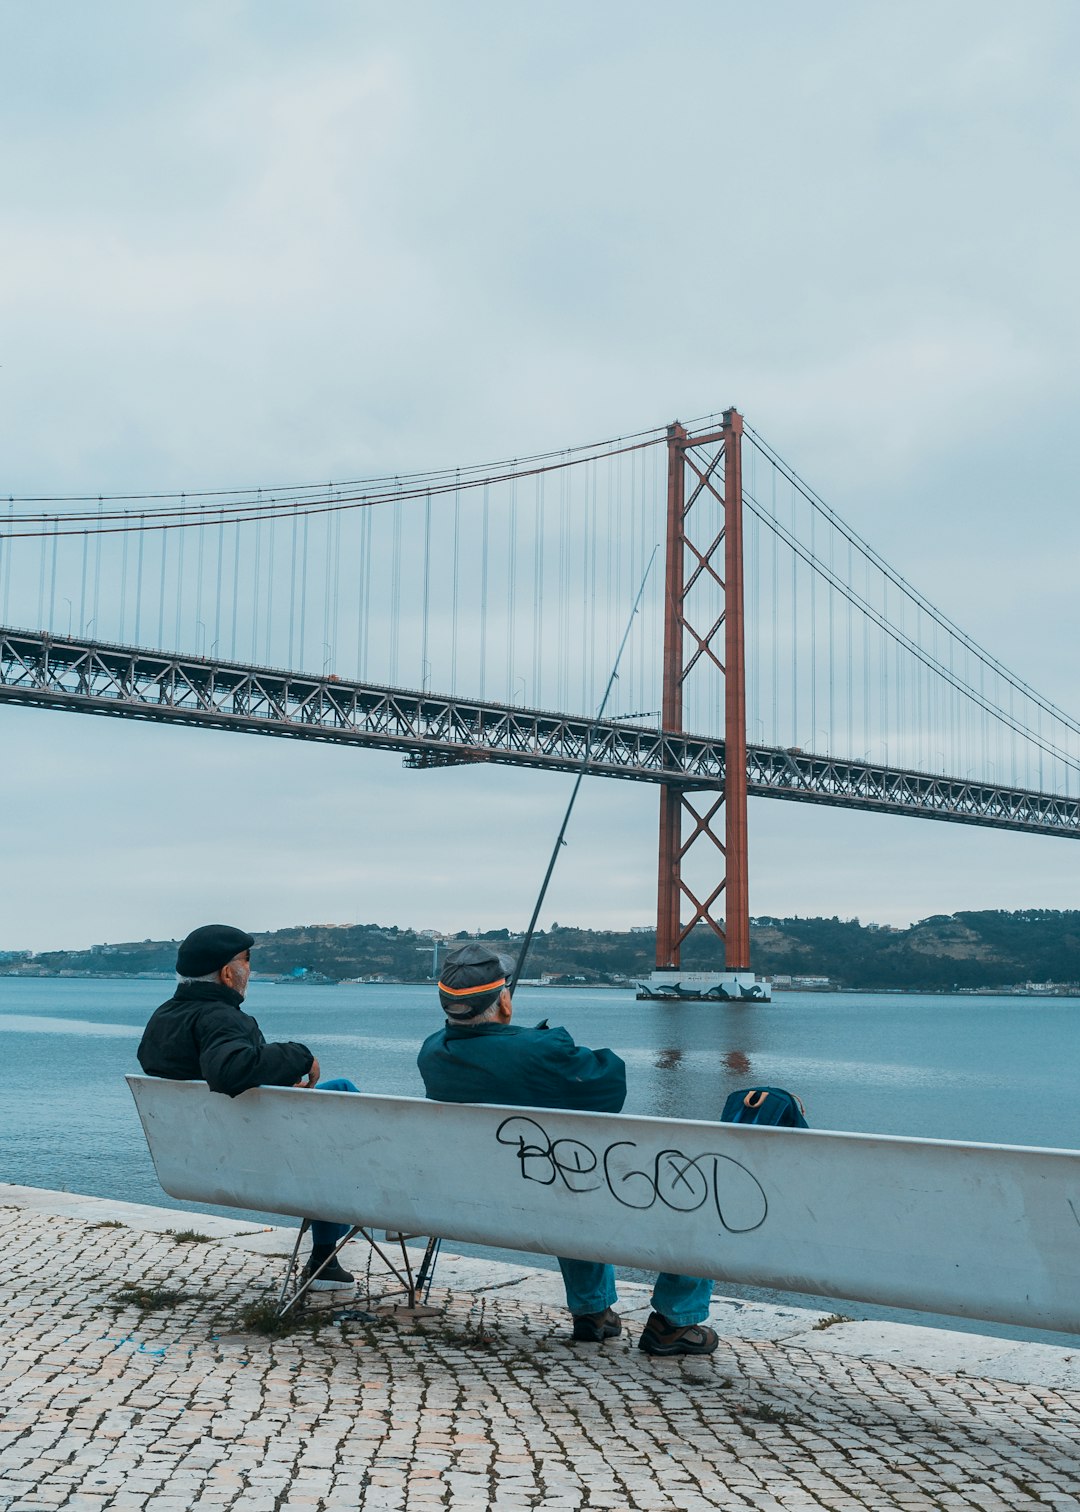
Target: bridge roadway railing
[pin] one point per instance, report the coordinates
(46, 671)
(979, 1231)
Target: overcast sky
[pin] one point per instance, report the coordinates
(241, 242)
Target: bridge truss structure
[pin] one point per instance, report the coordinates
(43, 671)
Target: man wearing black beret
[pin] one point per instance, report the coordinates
(200, 1034)
(480, 1056)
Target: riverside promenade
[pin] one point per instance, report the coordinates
(129, 1379)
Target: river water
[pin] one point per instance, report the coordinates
(990, 1069)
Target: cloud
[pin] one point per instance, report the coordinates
(242, 244)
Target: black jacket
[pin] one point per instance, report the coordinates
(201, 1035)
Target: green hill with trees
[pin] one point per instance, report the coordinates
(988, 949)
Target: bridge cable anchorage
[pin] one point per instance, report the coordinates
(560, 838)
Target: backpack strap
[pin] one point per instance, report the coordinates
(750, 1104)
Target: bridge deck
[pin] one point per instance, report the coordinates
(91, 677)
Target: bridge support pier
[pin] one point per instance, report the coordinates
(705, 475)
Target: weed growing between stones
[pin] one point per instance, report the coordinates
(474, 1335)
(188, 1236)
(262, 1318)
(107, 1223)
(148, 1298)
(831, 1321)
(765, 1412)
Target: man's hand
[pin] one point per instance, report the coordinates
(312, 1076)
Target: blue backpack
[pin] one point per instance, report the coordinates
(765, 1105)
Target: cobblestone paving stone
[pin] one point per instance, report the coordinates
(485, 1406)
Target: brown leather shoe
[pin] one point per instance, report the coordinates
(659, 1337)
(594, 1328)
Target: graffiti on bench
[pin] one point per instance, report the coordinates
(680, 1182)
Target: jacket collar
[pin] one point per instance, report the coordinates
(207, 992)
(469, 1031)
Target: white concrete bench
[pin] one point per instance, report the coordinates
(978, 1231)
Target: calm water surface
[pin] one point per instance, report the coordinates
(985, 1069)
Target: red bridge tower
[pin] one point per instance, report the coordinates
(705, 547)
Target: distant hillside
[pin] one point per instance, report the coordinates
(987, 949)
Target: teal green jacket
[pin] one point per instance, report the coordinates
(525, 1068)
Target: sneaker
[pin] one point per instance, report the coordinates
(332, 1276)
(594, 1328)
(659, 1337)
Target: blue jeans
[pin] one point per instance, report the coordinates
(590, 1288)
(327, 1235)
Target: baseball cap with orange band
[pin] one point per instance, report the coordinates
(471, 980)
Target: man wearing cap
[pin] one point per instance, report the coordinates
(200, 1034)
(480, 1056)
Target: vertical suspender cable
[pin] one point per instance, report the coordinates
(360, 514)
(269, 589)
(775, 732)
(217, 587)
(627, 505)
(794, 631)
(425, 665)
(564, 605)
(483, 593)
(538, 587)
(335, 621)
(199, 559)
(812, 574)
(52, 574)
(161, 589)
(395, 596)
(849, 653)
(359, 595)
(831, 606)
(123, 581)
(302, 649)
(291, 659)
(180, 596)
(327, 645)
(5, 550)
(866, 656)
(610, 552)
(511, 583)
(456, 585)
(138, 583)
(42, 549)
(256, 584)
(236, 586)
(80, 628)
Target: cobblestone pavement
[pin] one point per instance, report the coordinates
(121, 1405)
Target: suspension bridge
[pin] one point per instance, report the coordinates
(472, 615)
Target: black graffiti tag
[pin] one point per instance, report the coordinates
(547, 1161)
(679, 1182)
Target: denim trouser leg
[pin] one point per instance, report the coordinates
(681, 1299)
(590, 1287)
(327, 1235)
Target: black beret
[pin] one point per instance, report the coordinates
(209, 948)
(471, 980)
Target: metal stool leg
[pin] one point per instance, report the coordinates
(303, 1290)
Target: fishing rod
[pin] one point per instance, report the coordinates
(560, 841)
